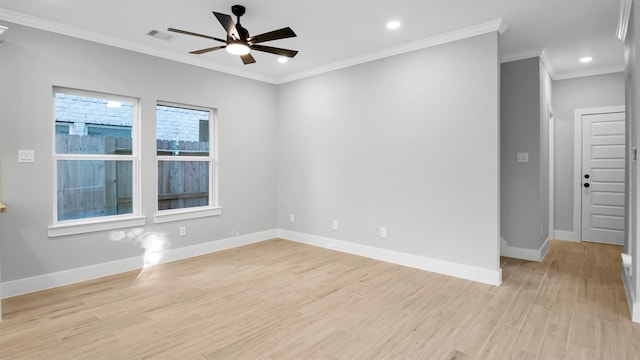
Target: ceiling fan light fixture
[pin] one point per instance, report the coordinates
(239, 42)
(393, 24)
(238, 48)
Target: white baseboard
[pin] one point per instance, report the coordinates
(544, 249)
(47, 281)
(66, 277)
(487, 276)
(566, 235)
(522, 253)
(634, 307)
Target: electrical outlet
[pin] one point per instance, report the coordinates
(183, 231)
(292, 218)
(383, 232)
(335, 225)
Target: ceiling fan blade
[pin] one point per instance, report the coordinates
(273, 35)
(202, 51)
(228, 24)
(247, 59)
(195, 34)
(274, 50)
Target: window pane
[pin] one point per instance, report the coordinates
(95, 125)
(62, 128)
(115, 131)
(88, 188)
(182, 131)
(183, 184)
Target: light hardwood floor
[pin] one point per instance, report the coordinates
(283, 300)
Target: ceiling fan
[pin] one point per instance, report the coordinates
(239, 42)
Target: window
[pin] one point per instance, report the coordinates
(62, 128)
(96, 160)
(186, 161)
(109, 130)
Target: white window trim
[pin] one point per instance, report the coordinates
(164, 216)
(213, 209)
(102, 223)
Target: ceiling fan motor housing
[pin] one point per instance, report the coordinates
(238, 10)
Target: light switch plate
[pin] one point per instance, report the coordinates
(26, 156)
(522, 157)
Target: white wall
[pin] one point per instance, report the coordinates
(32, 61)
(408, 142)
(569, 95)
(545, 108)
(632, 86)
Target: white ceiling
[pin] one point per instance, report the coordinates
(334, 33)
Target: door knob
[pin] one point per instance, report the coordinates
(586, 185)
(586, 176)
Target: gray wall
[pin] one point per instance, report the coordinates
(569, 95)
(524, 203)
(408, 142)
(33, 61)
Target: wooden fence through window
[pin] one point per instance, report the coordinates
(182, 184)
(88, 188)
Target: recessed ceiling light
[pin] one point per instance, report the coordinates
(586, 59)
(283, 60)
(392, 25)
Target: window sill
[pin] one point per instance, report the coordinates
(94, 225)
(165, 216)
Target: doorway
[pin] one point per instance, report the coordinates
(599, 171)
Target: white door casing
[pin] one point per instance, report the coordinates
(602, 177)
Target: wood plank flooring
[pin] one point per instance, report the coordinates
(283, 300)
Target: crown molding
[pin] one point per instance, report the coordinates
(3, 30)
(488, 27)
(528, 54)
(502, 27)
(555, 75)
(59, 28)
(38, 23)
(547, 65)
(520, 55)
(623, 19)
(589, 72)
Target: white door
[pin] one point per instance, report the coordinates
(603, 164)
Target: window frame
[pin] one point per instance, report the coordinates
(213, 209)
(108, 222)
